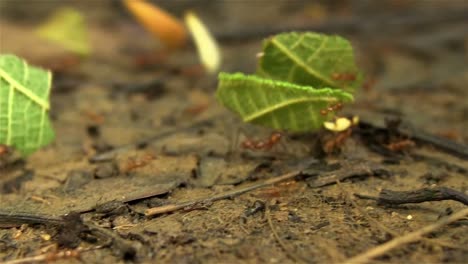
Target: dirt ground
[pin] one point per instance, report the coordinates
(139, 128)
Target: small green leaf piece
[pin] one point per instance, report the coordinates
(24, 105)
(310, 59)
(67, 27)
(277, 104)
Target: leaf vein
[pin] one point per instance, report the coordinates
(301, 63)
(284, 104)
(24, 90)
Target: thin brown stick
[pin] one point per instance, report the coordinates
(405, 239)
(10, 219)
(349, 170)
(390, 197)
(229, 194)
(421, 195)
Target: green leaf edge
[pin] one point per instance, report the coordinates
(223, 77)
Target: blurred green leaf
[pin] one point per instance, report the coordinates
(24, 105)
(67, 27)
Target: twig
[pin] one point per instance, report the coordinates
(229, 194)
(446, 145)
(417, 196)
(128, 198)
(279, 240)
(405, 130)
(8, 219)
(405, 239)
(350, 170)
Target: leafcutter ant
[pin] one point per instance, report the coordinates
(343, 126)
(400, 145)
(333, 108)
(4, 150)
(336, 142)
(343, 76)
(267, 144)
(137, 162)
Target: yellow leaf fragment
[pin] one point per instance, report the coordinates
(167, 28)
(340, 124)
(67, 27)
(207, 47)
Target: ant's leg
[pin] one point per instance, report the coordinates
(282, 145)
(234, 141)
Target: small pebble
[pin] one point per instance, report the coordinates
(409, 217)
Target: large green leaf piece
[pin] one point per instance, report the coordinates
(310, 59)
(24, 105)
(277, 104)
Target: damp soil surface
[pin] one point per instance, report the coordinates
(148, 167)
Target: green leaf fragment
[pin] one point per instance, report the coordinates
(310, 59)
(67, 27)
(277, 104)
(24, 105)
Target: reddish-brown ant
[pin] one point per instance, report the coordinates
(336, 142)
(137, 162)
(4, 150)
(401, 145)
(274, 138)
(279, 190)
(343, 76)
(333, 108)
